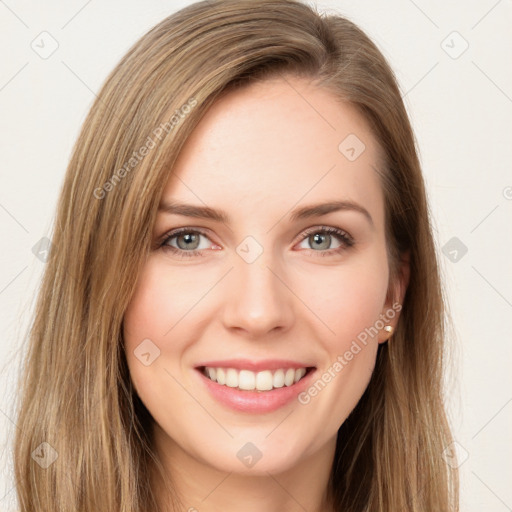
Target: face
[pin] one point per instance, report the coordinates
(264, 288)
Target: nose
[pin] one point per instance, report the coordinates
(257, 300)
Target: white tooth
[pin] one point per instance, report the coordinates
(278, 380)
(299, 373)
(221, 376)
(290, 375)
(246, 380)
(232, 378)
(264, 380)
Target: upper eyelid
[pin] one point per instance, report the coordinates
(178, 231)
(328, 229)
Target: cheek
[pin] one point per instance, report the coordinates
(349, 302)
(161, 299)
(348, 299)
(155, 311)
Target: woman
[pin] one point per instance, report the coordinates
(193, 347)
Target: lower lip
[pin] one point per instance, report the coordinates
(255, 401)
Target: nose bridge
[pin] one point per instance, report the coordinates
(259, 302)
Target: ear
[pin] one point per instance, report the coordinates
(395, 297)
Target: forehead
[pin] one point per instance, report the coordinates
(272, 145)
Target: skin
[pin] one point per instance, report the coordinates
(259, 153)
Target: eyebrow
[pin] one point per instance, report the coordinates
(305, 212)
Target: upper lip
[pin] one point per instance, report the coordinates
(255, 366)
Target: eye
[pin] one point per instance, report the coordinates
(187, 240)
(321, 237)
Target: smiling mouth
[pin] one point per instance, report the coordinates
(262, 381)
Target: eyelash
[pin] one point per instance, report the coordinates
(343, 236)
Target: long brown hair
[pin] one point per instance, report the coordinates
(75, 389)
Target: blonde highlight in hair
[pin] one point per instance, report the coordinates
(75, 388)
